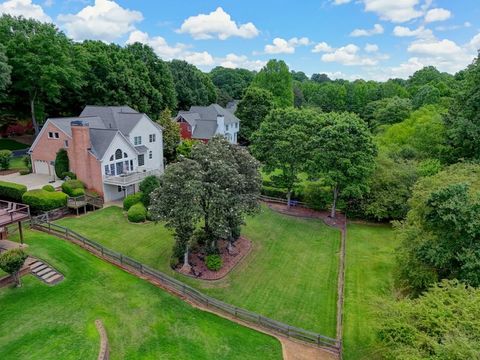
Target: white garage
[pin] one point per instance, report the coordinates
(43, 167)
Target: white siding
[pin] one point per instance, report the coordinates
(145, 128)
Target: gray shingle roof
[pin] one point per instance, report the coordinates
(141, 149)
(101, 139)
(210, 113)
(205, 130)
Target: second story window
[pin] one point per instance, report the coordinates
(150, 154)
(226, 127)
(53, 135)
(65, 143)
(141, 160)
(151, 138)
(137, 140)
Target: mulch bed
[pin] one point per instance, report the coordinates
(8, 172)
(300, 211)
(200, 271)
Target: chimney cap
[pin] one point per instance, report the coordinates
(78, 123)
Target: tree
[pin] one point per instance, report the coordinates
(185, 148)
(5, 157)
(387, 111)
(320, 78)
(426, 95)
(43, 62)
(275, 77)
(463, 118)
(281, 143)
(11, 261)
(192, 86)
(440, 236)
(5, 70)
(171, 135)
(343, 154)
(232, 83)
(299, 76)
(175, 201)
(62, 164)
(252, 110)
(147, 186)
(441, 324)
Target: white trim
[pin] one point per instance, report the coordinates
(110, 145)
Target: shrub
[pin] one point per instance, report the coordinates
(214, 262)
(70, 175)
(77, 192)
(41, 200)
(137, 213)
(48, 188)
(12, 191)
(25, 171)
(61, 163)
(131, 200)
(317, 197)
(147, 185)
(11, 261)
(5, 157)
(69, 186)
(27, 160)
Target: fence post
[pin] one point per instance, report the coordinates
(141, 268)
(121, 259)
(102, 250)
(66, 233)
(288, 331)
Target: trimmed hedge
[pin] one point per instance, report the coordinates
(48, 188)
(70, 186)
(12, 191)
(131, 200)
(137, 213)
(42, 200)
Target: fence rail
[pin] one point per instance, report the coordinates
(42, 223)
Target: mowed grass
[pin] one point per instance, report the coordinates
(141, 320)
(9, 144)
(290, 274)
(17, 163)
(369, 279)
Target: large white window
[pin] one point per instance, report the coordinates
(137, 140)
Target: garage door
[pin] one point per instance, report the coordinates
(42, 167)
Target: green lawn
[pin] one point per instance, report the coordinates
(370, 261)
(290, 275)
(17, 163)
(10, 144)
(142, 321)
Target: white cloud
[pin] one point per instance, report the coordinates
(199, 58)
(282, 46)
(340, 2)
(474, 44)
(434, 47)
(24, 8)
(377, 29)
(371, 48)
(348, 55)
(322, 47)
(159, 45)
(392, 10)
(240, 61)
(437, 14)
(48, 3)
(420, 32)
(216, 24)
(105, 20)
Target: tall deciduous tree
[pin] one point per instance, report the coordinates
(175, 201)
(43, 62)
(281, 143)
(192, 86)
(232, 82)
(252, 110)
(343, 154)
(276, 78)
(171, 135)
(5, 70)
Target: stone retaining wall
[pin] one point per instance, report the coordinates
(104, 351)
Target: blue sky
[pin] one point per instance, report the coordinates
(372, 39)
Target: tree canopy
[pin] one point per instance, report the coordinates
(276, 78)
(233, 82)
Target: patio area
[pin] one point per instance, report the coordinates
(31, 181)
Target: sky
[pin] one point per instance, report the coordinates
(370, 39)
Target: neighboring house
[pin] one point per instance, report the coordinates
(110, 148)
(232, 106)
(204, 122)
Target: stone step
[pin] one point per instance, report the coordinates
(30, 261)
(54, 279)
(44, 271)
(36, 264)
(39, 268)
(48, 275)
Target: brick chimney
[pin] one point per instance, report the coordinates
(78, 154)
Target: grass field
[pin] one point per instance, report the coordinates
(369, 279)
(290, 275)
(9, 144)
(17, 163)
(142, 321)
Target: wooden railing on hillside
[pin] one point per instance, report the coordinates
(40, 223)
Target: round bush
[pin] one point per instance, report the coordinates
(48, 188)
(69, 186)
(70, 175)
(77, 192)
(5, 157)
(41, 200)
(214, 262)
(131, 200)
(12, 191)
(137, 213)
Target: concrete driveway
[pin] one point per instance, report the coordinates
(31, 181)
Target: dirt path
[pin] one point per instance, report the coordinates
(340, 222)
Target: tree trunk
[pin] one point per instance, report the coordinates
(289, 195)
(186, 268)
(16, 278)
(334, 205)
(34, 119)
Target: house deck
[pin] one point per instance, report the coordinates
(11, 212)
